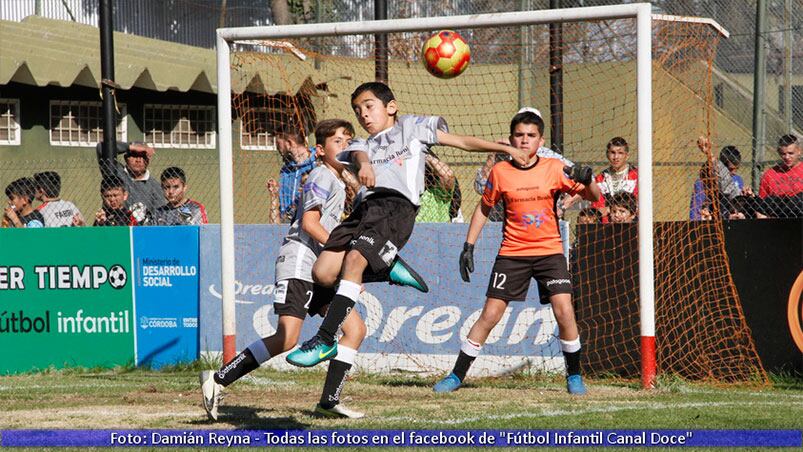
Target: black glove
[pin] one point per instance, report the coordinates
(467, 261)
(579, 173)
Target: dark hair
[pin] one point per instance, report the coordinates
(21, 187)
(328, 127)
(618, 142)
(379, 89)
(294, 133)
(49, 182)
(729, 154)
(624, 199)
(527, 117)
(111, 182)
(787, 140)
(591, 212)
(174, 172)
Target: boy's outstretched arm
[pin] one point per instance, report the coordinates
(365, 172)
(474, 144)
(311, 224)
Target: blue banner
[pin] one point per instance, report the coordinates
(402, 438)
(400, 320)
(166, 273)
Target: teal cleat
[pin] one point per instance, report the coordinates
(401, 274)
(450, 383)
(575, 386)
(312, 352)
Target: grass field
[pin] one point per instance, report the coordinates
(268, 399)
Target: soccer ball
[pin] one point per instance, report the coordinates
(117, 277)
(445, 54)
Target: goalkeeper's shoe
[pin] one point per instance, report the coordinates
(312, 352)
(575, 385)
(338, 411)
(401, 274)
(212, 393)
(449, 383)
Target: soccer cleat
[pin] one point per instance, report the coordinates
(312, 352)
(212, 393)
(401, 274)
(575, 386)
(338, 411)
(449, 383)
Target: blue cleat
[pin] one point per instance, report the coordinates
(401, 274)
(449, 383)
(575, 386)
(312, 352)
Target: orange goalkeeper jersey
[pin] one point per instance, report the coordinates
(531, 223)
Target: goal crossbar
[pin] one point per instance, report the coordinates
(642, 12)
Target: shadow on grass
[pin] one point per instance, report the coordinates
(250, 418)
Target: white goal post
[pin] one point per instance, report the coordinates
(641, 12)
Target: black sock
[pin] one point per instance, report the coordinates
(572, 362)
(463, 363)
(338, 310)
(236, 368)
(335, 378)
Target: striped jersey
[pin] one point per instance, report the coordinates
(326, 192)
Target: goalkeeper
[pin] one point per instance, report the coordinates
(531, 246)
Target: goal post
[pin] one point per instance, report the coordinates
(641, 16)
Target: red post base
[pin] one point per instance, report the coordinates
(229, 348)
(648, 367)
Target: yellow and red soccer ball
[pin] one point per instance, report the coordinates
(445, 54)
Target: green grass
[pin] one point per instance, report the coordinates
(170, 399)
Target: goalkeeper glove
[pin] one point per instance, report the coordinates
(467, 261)
(579, 173)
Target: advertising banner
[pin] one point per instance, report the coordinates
(65, 298)
(166, 291)
(407, 329)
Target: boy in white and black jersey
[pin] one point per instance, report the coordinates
(56, 211)
(295, 294)
(391, 165)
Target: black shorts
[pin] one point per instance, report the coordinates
(379, 227)
(298, 298)
(510, 277)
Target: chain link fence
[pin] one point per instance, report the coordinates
(179, 21)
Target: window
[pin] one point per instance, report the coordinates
(258, 127)
(179, 126)
(80, 123)
(9, 121)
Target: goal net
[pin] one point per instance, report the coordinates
(294, 76)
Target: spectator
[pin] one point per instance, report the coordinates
(497, 213)
(114, 211)
(20, 213)
(179, 209)
(781, 186)
(730, 183)
(619, 177)
(274, 217)
(589, 215)
(56, 211)
(142, 189)
(439, 189)
(623, 207)
(298, 160)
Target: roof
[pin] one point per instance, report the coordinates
(41, 52)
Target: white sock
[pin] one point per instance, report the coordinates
(345, 354)
(349, 289)
(570, 346)
(471, 348)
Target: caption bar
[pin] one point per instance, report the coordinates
(401, 438)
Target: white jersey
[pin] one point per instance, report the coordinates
(397, 154)
(58, 213)
(325, 191)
